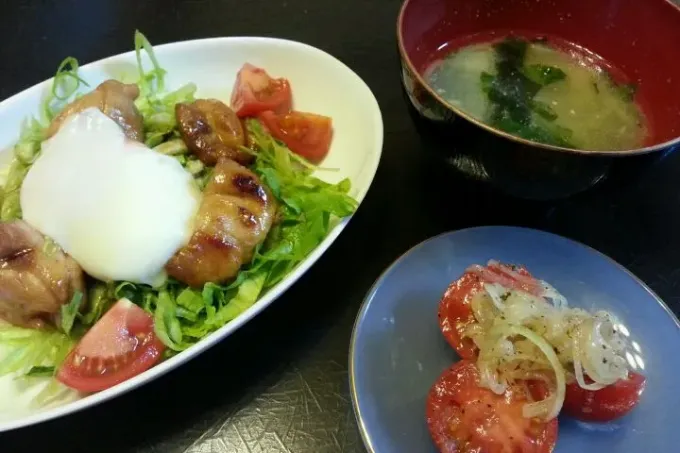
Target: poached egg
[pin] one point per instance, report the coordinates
(120, 209)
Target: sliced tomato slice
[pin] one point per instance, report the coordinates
(464, 418)
(121, 345)
(606, 404)
(509, 276)
(306, 134)
(255, 92)
(455, 313)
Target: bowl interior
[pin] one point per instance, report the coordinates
(639, 39)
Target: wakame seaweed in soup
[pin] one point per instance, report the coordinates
(541, 93)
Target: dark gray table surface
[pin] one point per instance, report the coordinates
(280, 383)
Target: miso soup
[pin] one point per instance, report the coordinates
(539, 92)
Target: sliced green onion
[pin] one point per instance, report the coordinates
(64, 86)
(172, 147)
(194, 166)
(157, 74)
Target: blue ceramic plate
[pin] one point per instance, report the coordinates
(398, 352)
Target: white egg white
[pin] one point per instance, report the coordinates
(120, 209)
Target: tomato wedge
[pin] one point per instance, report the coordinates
(121, 345)
(606, 404)
(255, 92)
(465, 418)
(306, 134)
(455, 313)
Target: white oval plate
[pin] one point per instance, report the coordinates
(321, 84)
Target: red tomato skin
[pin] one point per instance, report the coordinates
(306, 134)
(604, 405)
(456, 401)
(255, 91)
(83, 373)
(522, 281)
(455, 313)
(70, 377)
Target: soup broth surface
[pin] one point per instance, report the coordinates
(542, 93)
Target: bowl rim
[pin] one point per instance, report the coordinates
(502, 134)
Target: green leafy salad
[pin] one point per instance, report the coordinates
(182, 315)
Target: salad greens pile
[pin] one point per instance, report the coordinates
(182, 315)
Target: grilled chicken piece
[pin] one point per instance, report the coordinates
(212, 131)
(36, 278)
(116, 100)
(235, 215)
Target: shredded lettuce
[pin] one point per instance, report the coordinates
(42, 371)
(30, 348)
(99, 299)
(33, 355)
(184, 315)
(70, 311)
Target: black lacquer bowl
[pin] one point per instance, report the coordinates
(521, 167)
